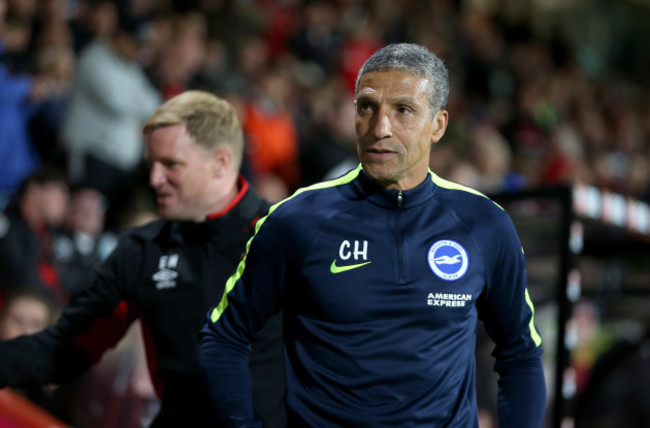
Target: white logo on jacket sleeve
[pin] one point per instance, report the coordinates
(448, 259)
(166, 275)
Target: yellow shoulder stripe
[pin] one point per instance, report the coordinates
(230, 283)
(531, 325)
(446, 184)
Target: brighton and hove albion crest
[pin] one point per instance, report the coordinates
(448, 259)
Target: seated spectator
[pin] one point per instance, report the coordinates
(272, 145)
(27, 312)
(82, 243)
(26, 259)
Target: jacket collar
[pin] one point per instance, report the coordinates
(243, 190)
(367, 188)
(244, 208)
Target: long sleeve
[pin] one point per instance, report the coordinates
(508, 313)
(224, 367)
(522, 394)
(251, 297)
(39, 359)
(91, 324)
(58, 354)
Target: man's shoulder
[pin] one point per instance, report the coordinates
(147, 232)
(466, 202)
(252, 206)
(13, 226)
(134, 243)
(316, 196)
(486, 220)
(93, 51)
(307, 205)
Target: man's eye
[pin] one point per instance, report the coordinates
(364, 106)
(403, 109)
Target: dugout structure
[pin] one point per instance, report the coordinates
(588, 263)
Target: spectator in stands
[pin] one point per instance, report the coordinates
(55, 59)
(182, 57)
(492, 156)
(111, 99)
(26, 258)
(17, 34)
(319, 38)
(272, 143)
(327, 147)
(82, 243)
(97, 20)
(28, 312)
(20, 93)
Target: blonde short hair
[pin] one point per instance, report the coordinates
(211, 121)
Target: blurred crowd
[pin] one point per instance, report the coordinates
(78, 77)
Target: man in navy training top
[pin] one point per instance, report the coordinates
(382, 274)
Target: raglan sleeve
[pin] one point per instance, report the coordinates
(88, 326)
(508, 313)
(251, 296)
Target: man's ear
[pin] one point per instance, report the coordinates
(222, 158)
(440, 121)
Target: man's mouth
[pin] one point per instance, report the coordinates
(163, 197)
(379, 153)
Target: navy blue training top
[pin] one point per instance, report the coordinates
(381, 291)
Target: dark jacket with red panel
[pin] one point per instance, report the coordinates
(168, 274)
(26, 258)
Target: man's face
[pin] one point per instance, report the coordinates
(180, 172)
(395, 128)
(86, 212)
(23, 316)
(54, 202)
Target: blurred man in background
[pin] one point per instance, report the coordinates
(163, 271)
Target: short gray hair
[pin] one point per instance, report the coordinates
(414, 59)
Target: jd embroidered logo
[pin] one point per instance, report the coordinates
(166, 275)
(346, 252)
(448, 259)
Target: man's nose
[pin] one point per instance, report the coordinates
(156, 175)
(383, 127)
